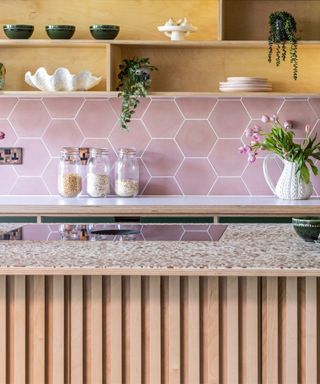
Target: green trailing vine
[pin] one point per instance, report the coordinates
(134, 82)
(282, 29)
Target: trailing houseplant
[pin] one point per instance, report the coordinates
(282, 30)
(298, 158)
(134, 82)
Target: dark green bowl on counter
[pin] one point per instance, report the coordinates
(308, 228)
(18, 31)
(63, 32)
(104, 31)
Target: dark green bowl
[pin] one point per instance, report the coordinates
(104, 31)
(308, 228)
(18, 31)
(63, 32)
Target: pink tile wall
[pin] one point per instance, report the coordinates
(186, 145)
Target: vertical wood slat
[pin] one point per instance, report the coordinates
(76, 330)
(152, 331)
(114, 330)
(3, 329)
(36, 331)
(289, 331)
(171, 353)
(230, 331)
(250, 330)
(270, 330)
(191, 330)
(308, 331)
(210, 330)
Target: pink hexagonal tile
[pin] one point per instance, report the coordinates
(136, 137)
(8, 179)
(11, 136)
(226, 159)
(35, 157)
(29, 186)
(196, 107)
(315, 104)
(29, 118)
(229, 118)
(315, 131)
(195, 176)
(163, 118)
(300, 113)
(254, 179)
(6, 105)
(196, 236)
(168, 232)
(262, 106)
(63, 107)
(116, 103)
(162, 186)
(36, 232)
(162, 157)
(316, 183)
(96, 118)
(196, 138)
(232, 186)
(62, 133)
(144, 176)
(50, 176)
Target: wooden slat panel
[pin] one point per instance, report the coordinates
(36, 331)
(114, 330)
(270, 330)
(230, 330)
(18, 324)
(192, 331)
(3, 329)
(95, 331)
(76, 329)
(308, 331)
(171, 330)
(56, 347)
(133, 331)
(152, 323)
(289, 351)
(250, 330)
(210, 330)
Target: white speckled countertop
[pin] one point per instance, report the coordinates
(244, 250)
(157, 205)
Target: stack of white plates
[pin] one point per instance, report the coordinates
(245, 84)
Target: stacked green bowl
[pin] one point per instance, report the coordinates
(63, 32)
(18, 31)
(308, 228)
(104, 31)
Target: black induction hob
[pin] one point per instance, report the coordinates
(117, 232)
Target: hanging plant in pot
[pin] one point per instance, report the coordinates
(282, 30)
(134, 82)
(298, 159)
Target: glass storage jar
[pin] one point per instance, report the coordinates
(98, 180)
(69, 176)
(127, 173)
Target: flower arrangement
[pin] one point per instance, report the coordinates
(280, 140)
(2, 135)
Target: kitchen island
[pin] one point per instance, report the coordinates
(241, 309)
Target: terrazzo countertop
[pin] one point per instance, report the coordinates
(244, 250)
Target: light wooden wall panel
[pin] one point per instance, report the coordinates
(132, 329)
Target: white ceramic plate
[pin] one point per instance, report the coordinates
(247, 79)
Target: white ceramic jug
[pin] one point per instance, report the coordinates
(289, 185)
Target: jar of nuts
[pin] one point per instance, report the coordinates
(69, 177)
(98, 181)
(127, 173)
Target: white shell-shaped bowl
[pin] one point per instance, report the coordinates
(61, 80)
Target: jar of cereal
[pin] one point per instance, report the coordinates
(98, 180)
(69, 176)
(127, 173)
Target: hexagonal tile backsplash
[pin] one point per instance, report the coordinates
(186, 146)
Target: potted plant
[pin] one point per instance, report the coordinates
(282, 29)
(298, 158)
(134, 82)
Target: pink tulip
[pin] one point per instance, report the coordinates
(255, 137)
(249, 132)
(265, 119)
(274, 118)
(288, 124)
(307, 128)
(242, 150)
(2, 135)
(257, 128)
(252, 158)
